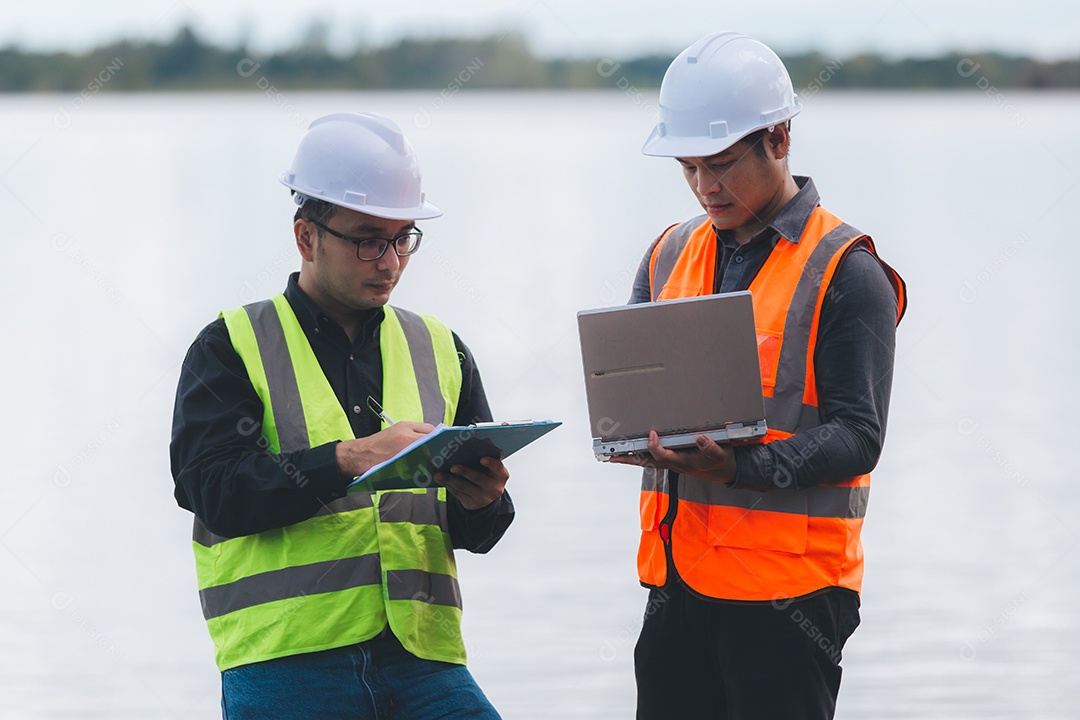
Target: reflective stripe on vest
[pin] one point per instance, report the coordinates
(747, 545)
(822, 501)
(429, 392)
(362, 561)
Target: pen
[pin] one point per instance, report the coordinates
(378, 410)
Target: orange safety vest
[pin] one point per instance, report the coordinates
(739, 544)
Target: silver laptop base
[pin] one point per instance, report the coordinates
(603, 449)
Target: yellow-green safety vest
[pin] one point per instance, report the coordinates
(363, 561)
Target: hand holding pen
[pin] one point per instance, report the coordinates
(355, 457)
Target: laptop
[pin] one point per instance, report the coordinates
(680, 367)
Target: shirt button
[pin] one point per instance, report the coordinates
(351, 358)
(316, 331)
(356, 409)
(739, 258)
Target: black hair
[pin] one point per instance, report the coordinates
(314, 210)
(757, 141)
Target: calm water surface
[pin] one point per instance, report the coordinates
(131, 221)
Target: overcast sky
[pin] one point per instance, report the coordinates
(1043, 28)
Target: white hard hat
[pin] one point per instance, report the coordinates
(359, 161)
(716, 92)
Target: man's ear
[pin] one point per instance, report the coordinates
(306, 239)
(778, 141)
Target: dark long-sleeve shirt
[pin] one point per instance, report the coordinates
(853, 360)
(222, 470)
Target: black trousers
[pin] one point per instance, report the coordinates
(705, 659)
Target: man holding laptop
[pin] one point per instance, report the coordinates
(751, 549)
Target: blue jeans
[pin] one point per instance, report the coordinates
(376, 680)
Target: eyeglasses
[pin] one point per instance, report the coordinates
(375, 248)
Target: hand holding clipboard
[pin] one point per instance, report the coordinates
(446, 446)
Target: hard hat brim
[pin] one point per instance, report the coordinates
(424, 211)
(658, 146)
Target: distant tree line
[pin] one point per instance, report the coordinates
(188, 62)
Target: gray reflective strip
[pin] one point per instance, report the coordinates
(826, 501)
(857, 499)
(785, 410)
(418, 337)
(204, 537)
(670, 249)
(809, 415)
(425, 509)
(652, 480)
(313, 579)
(280, 376)
(352, 501)
(709, 492)
(422, 586)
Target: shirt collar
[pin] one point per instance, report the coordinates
(311, 317)
(792, 218)
(789, 222)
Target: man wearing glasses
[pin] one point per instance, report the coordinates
(323, 603)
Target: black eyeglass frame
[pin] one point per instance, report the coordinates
(414, 233)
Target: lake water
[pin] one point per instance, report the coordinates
(131, 221)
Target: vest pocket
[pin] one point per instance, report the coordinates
(757, 529)
(678, 290)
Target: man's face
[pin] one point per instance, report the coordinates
(354, 284)
(735, 187)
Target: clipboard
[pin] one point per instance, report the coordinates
(445, 446)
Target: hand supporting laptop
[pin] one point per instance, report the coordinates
(707, 459)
